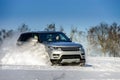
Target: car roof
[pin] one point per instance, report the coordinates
(42, 32)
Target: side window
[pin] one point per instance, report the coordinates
(49, 37)
(25, 37)
(42, 38)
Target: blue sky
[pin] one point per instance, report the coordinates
(66, 13)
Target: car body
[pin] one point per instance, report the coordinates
(59, 47)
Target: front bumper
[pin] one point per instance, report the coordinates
(73, 56)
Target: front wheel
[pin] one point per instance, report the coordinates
(55, 62)
(82, 62)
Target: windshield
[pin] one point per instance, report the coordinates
(53, 37)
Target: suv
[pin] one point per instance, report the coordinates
(59, 47)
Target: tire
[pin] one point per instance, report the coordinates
(55, 62)
(82, 62)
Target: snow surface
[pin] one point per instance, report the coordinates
(31, 62)
(96, 68)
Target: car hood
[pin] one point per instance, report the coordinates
(64, 44)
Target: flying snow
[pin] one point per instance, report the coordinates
(27, 54)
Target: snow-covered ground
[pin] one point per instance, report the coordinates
(31, 62)
(96, 68)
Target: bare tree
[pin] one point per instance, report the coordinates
(114, 39)
(23, 28)
(50, 27)
(81, 36)
(73, 32)
(99, 34)
(61, 29)
(5, 34)
(0, 38)
(105, 36)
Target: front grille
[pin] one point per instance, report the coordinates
(70, 48)
(70, 56)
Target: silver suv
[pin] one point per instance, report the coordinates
(59, 47)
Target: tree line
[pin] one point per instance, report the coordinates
(107, 37)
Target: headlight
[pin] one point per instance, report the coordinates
(51, 48)
(82, 50)
(55, 48)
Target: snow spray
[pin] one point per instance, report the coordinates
(27, 54)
